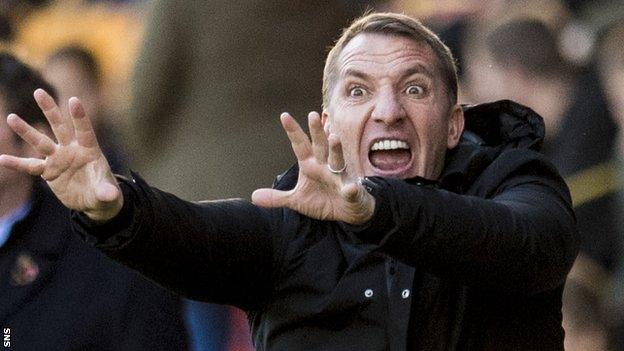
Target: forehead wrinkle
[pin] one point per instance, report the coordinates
(395, 67)
(360, 45)
(347, 54)
(361, 54)
(367, 56)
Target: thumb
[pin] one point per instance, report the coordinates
(270, 198)
(353, 192)
(361, 203)
(106, 192)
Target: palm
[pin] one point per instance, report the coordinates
(319, 193)
(75, 168)
(71, 170)
(315, 195)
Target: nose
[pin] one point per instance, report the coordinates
(388, 109)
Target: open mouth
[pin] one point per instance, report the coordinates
(390, 155)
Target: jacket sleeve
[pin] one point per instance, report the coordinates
(216, 251)
(150, 311)
(520, 238)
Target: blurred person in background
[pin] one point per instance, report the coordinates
(74, 71)
(611, 64)
(58, 293)
(520, 60)
(111, 33)
(211, 76)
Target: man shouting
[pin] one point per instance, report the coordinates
(408, 223)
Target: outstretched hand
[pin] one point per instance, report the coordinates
(319, 193)
(74, 167)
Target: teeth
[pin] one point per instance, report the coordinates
(389, 144)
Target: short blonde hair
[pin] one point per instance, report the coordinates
(393, 24)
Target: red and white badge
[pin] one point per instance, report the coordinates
(25, 271)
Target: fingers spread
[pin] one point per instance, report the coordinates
(32, 136)
(32, 166)
(270, 198)
(336, 158)
(298, 138)
(62, 128)
(319, 139)
(85, 135)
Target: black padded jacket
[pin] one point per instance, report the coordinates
(475, 261)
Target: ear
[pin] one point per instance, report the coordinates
(455, 126)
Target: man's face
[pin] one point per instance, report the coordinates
(391, 109)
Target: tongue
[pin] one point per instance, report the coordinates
(388, 160)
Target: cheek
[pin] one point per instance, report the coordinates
(432, 132)
(347, 122)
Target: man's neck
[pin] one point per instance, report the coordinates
(15, 194)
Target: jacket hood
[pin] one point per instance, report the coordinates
(505, 123)
(489, 129)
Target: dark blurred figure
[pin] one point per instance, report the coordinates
(57, 292)
(215, 76)
(520, 60)
(522, 63)
(74, 71)
(611, 64)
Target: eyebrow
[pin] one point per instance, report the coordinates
(417, 68)
(350, 72)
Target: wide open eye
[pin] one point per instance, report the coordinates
(415, 90)
(357, 92)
